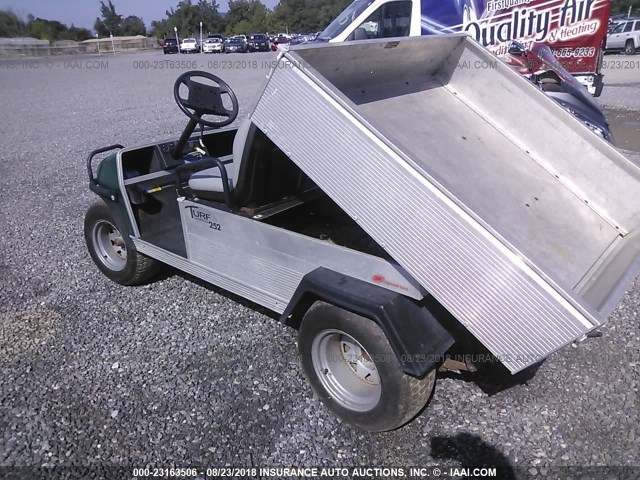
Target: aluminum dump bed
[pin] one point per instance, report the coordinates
(510, 212)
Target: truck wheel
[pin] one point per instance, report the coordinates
(353, 370)
(114, 253)
(629, 47)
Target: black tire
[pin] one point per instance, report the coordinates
(629, 47)
(399, 397)
(113, 253)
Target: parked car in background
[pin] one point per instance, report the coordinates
(189, 45)
(279, 41)
(170, 45)
(235, 45)
(611, 26)
(625, 37)
(258, 42)
(213, 45)
(242, 37)
(222, 39)
(302, 38)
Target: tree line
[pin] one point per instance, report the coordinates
(13, 26)
(110, 23)
(622, 6)
(248, 16)
(243, 16)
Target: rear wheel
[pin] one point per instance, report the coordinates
(353, 370)
(629, 47)
(112, 252)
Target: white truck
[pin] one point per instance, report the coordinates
(575, 30)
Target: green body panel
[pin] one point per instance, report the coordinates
(107, 177)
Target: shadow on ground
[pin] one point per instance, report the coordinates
(493, 378)
(471, 451)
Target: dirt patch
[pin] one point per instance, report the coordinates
(625, 125)
(22, 333)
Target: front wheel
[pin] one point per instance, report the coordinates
(112, 252)
(353, 370)
(630, 48)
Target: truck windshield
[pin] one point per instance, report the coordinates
(345, 19)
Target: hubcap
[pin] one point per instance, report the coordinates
(110, 245)
(346, 370)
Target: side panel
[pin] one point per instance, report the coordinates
(574, 29)
(487, 287)
(263, 263)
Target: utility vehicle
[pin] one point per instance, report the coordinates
(390, 209)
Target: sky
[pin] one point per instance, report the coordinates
(83, 13)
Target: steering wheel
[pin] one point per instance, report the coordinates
(205, 99)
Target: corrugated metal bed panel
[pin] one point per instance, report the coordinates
(489, 289)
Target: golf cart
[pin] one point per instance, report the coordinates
(417, 209)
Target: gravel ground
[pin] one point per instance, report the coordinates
(621, 101)
(179, 373)
(622, 79)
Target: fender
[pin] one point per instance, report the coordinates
(416, 336)
(106, 185)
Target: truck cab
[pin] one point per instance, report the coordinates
(574, 29)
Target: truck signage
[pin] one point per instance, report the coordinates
(574, 29)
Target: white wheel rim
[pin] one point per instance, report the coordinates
(346, 370)
(110, 246)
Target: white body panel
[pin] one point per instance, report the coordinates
(264, 263)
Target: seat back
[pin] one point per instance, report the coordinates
(262, 172)
(239, 154)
